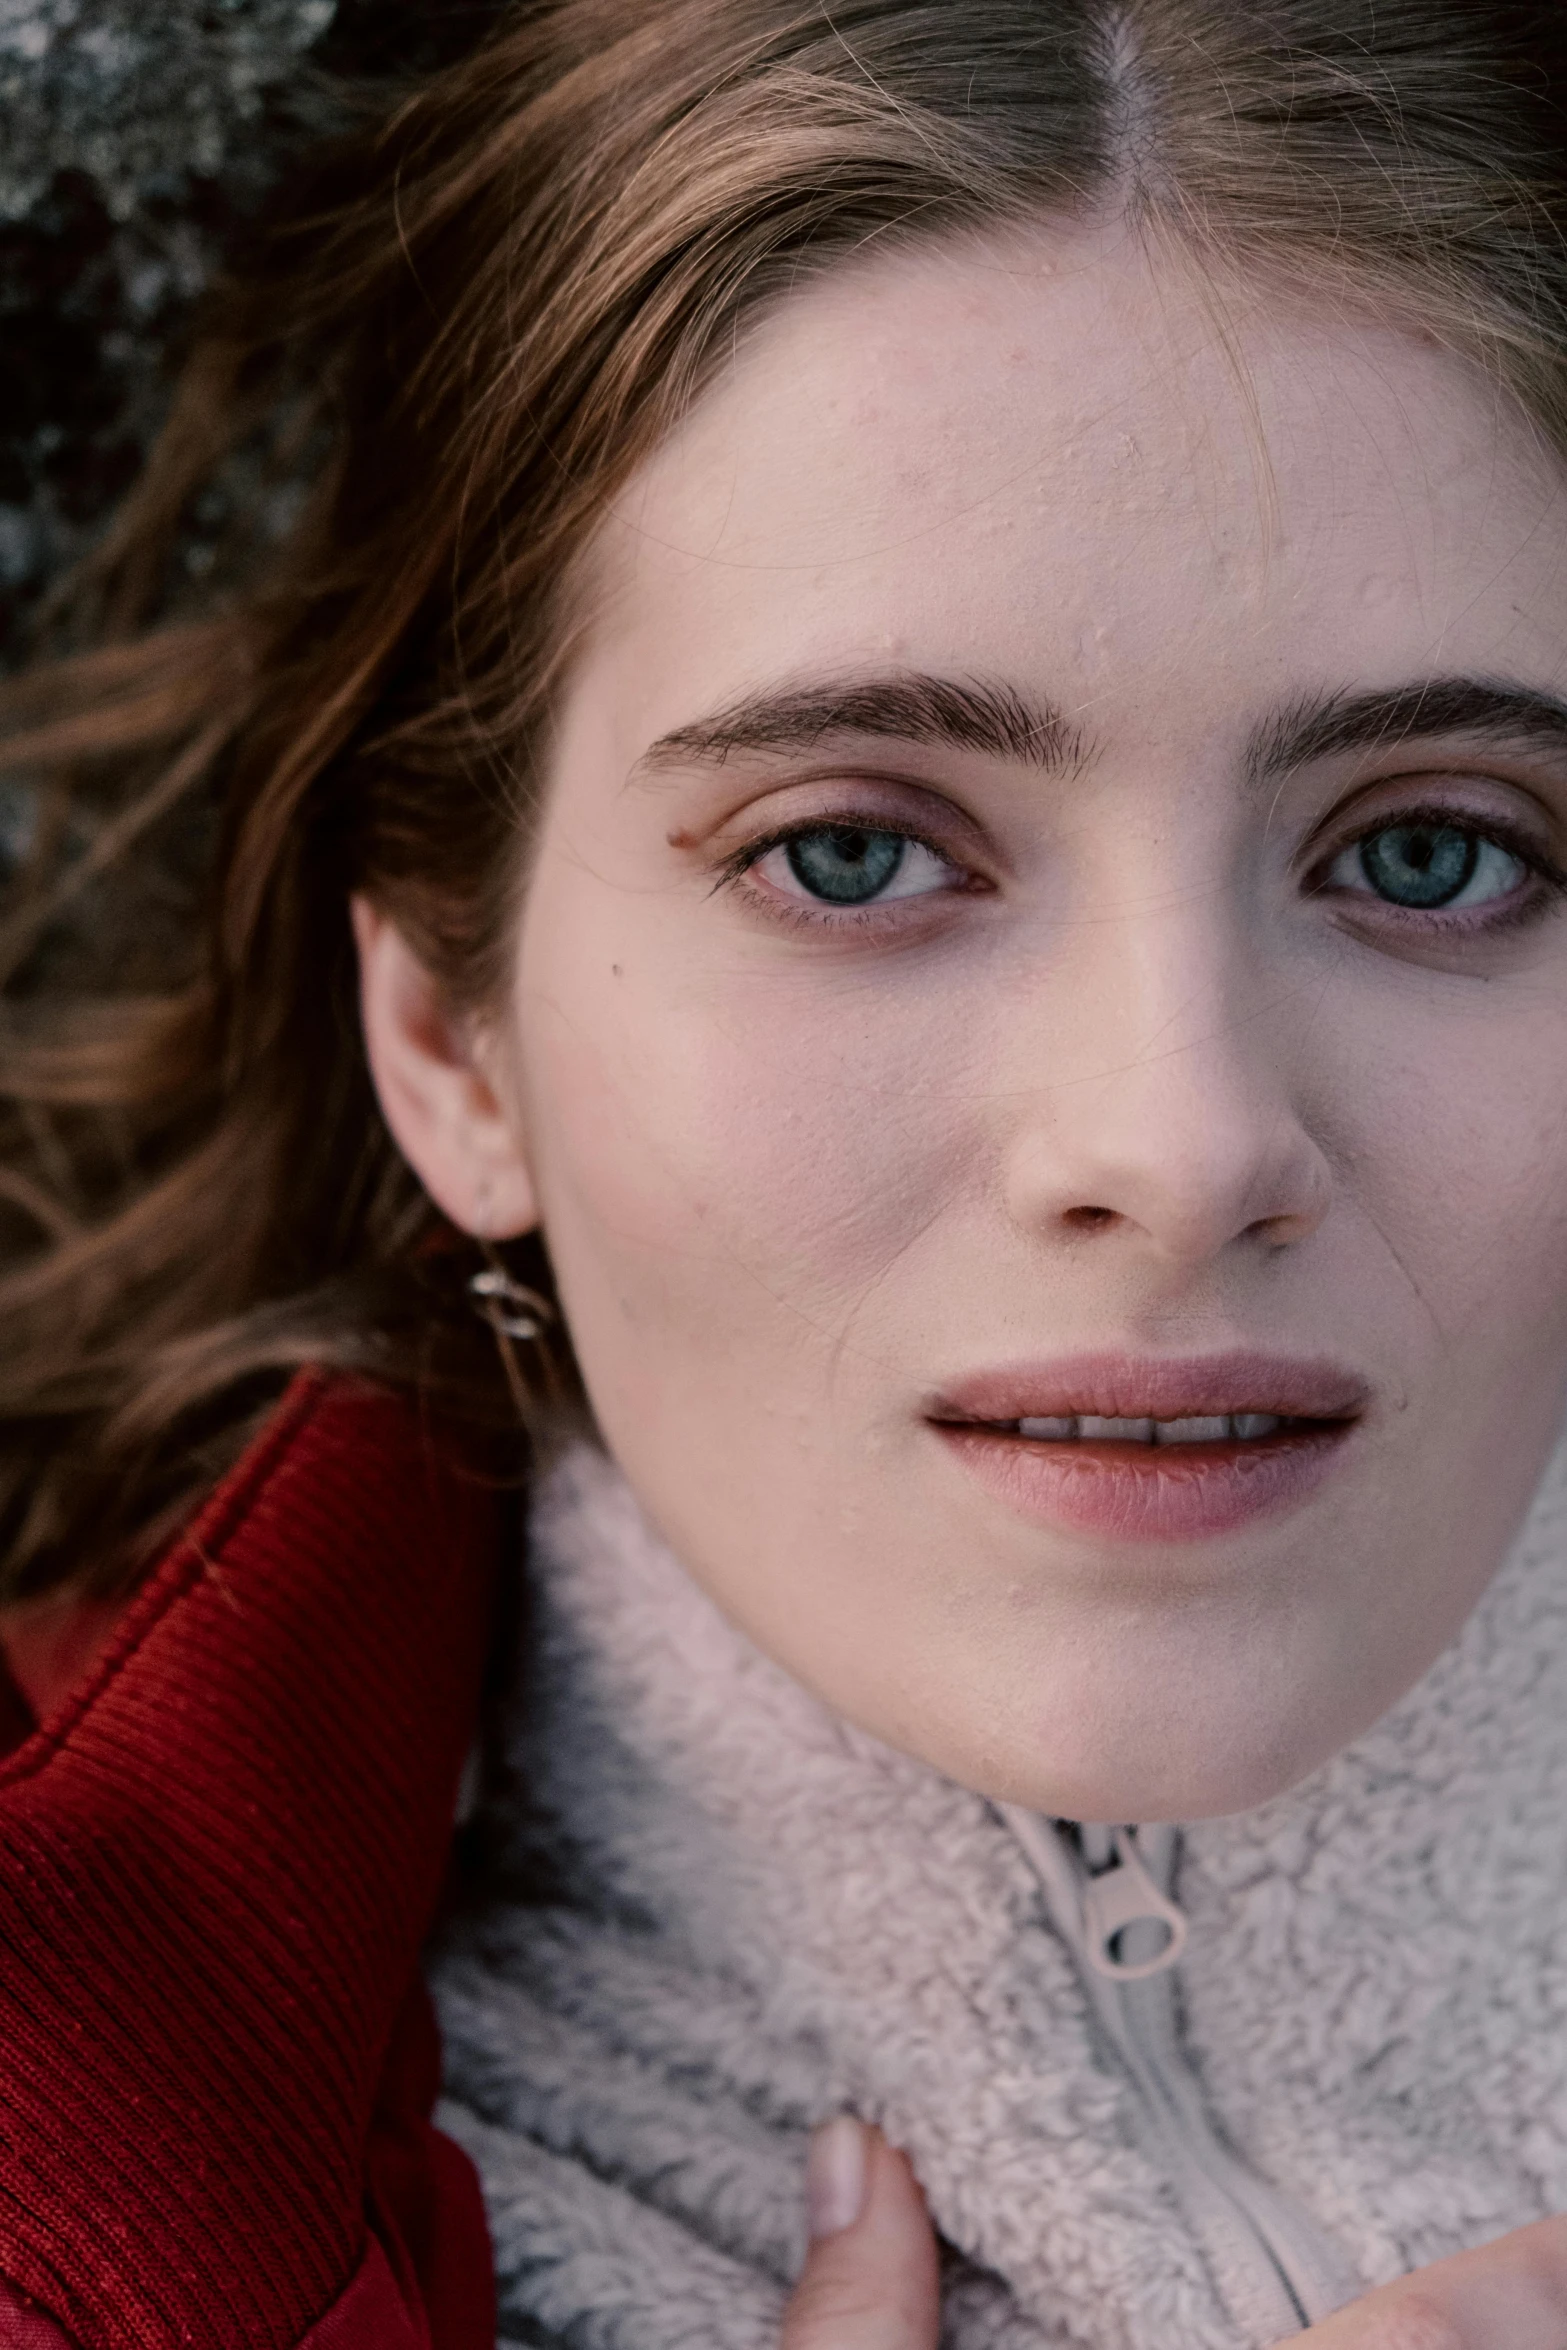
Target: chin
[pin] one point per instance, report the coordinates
(1146, 1795)
(1164, 1773)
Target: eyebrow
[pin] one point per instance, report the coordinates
(963, 713)
(1325, 726)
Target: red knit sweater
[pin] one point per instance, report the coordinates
(220, 1850)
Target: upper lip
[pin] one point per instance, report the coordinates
(1153, 1387)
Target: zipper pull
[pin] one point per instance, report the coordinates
(1104, 1899)
(1131, 1929)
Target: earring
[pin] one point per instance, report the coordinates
(515, 1312)
(512, 1310)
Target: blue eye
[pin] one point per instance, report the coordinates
(844, 864)
(853, 865)
(1427, 866)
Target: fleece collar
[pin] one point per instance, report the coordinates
(739, 1915)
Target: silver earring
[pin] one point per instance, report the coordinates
(510, 1308)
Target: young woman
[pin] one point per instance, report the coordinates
(887, 846)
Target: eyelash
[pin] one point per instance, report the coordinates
(1551, 881)
(801, 913)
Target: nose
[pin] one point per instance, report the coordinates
(1175, 1125)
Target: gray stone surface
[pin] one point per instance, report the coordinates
(134, 98)
(136, 137)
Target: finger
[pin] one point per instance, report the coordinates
(1509, 2295)
(870, 2277)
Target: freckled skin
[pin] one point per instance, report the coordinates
(795, 1181)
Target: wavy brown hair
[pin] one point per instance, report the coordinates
(412, 403)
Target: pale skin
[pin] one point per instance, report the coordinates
(1139, 1043)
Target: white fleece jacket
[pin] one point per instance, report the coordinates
(727, 1915)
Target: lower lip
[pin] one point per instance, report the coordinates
(1149, 1492)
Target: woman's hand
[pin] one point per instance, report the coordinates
(1510, 2295)
(870, 2280)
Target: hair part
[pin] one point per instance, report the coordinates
(461, 334)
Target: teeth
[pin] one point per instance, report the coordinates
(1242, 1427)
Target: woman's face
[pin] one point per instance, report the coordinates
(1050, 910)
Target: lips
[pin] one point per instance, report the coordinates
(1129, 1387)
(1213, 1428)
(1153, 1449)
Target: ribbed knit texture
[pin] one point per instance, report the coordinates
(217, 1866)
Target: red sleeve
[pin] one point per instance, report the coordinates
(23, 2326)
(219, 1857)
(424, 2191)
(50, 1646)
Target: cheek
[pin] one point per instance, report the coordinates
(727, 1161)
(1459, 1157)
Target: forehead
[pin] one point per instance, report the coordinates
(1055, 456)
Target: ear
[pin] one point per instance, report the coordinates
(445, 1114)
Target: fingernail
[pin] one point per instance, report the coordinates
(835, 2176)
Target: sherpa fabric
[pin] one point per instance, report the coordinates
(748, 1916)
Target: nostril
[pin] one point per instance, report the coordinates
(1088, 1219)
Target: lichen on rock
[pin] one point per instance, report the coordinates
(137, 137)
(134, 95)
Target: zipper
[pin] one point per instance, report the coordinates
(1109, 1892)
